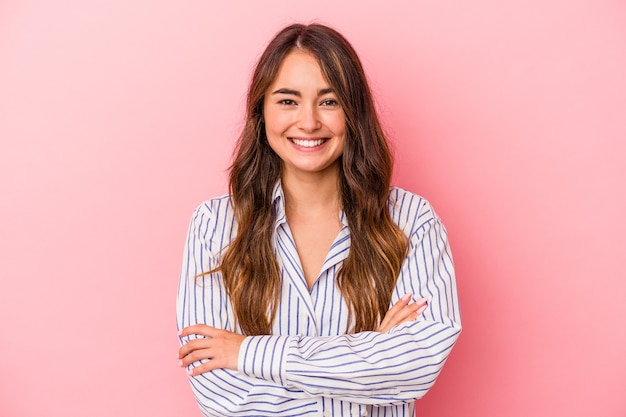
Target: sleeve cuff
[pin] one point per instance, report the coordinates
(264, 357)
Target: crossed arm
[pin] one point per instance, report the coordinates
(222, 346)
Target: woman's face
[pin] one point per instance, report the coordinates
(304, 123)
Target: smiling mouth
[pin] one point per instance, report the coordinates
(308, 143)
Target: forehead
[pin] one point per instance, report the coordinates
(299, 68)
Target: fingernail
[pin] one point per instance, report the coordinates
(406, 296)
(422, 301)
(190, 371)
(180, 362)
(420, 310)
(180, 332)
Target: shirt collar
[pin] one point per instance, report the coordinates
(278, 199)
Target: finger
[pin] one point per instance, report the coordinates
(199, 329)
(406, 314)
(401, 311)
(195, 356)
(207, 366)
(421, 302)
(399, 305)
(409, 312)
(417, 313)
(192, 345)
(214, 356)
(420, 311)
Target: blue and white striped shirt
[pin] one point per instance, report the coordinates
(309, 365)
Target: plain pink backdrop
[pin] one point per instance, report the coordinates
(118, 117)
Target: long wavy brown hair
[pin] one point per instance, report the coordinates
(378, 247)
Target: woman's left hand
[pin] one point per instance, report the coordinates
(220, 347)
(402, 311)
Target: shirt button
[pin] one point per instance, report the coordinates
(326, 413)
(326, 393)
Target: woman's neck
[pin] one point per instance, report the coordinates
(311, 193)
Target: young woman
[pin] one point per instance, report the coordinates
(315, 287)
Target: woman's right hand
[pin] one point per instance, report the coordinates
(402, 311)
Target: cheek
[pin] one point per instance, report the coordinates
(337, 123)
(275, 123)
(273, 142)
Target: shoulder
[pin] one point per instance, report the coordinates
(411, 212)
(215, 207)
(214, 220)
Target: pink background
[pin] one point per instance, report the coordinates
(118, 117)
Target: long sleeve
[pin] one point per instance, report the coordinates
(369, 367)
(202, 299)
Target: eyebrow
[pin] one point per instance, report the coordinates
(298, 94)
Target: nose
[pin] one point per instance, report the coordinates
(308, 119)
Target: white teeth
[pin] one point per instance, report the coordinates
(308, 143)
